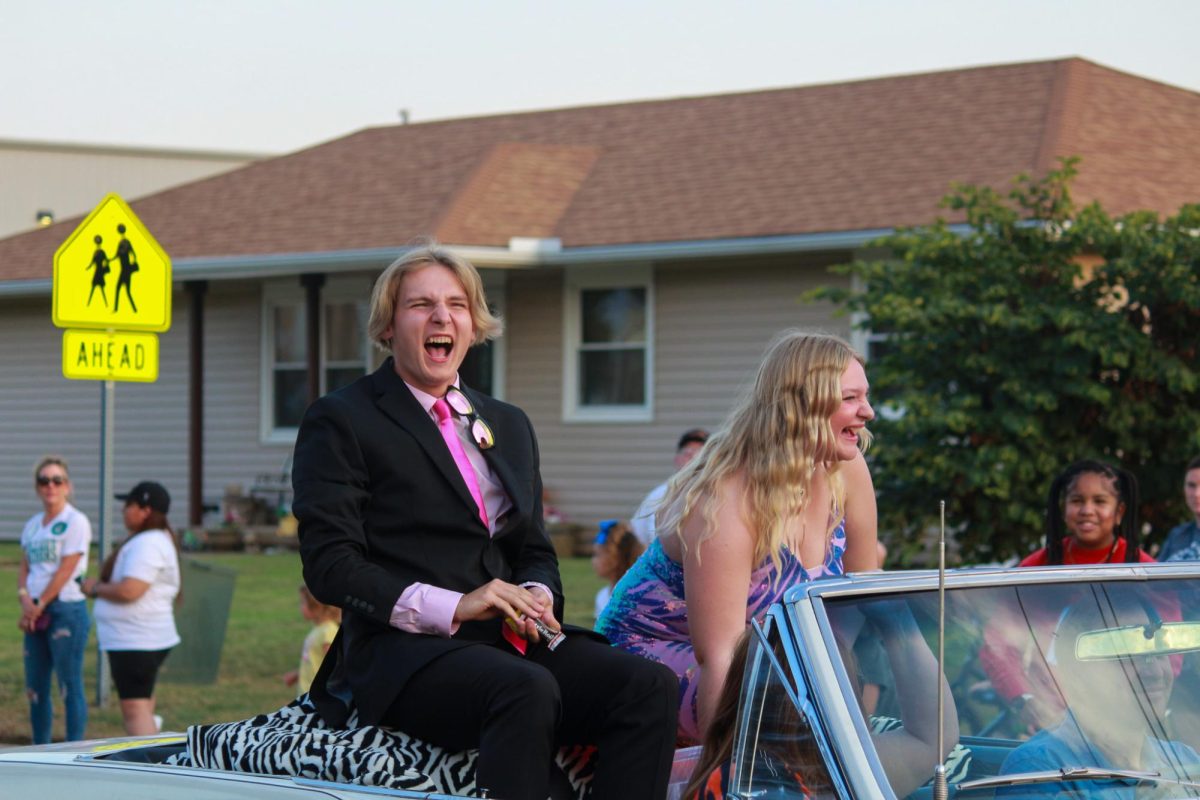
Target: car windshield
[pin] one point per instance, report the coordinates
(1088, 688)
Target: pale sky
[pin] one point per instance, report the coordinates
(272, 76)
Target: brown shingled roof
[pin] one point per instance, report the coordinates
(839, 157)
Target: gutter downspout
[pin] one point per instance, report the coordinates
(312, 283)
(196, 291)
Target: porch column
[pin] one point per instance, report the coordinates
(196, 291)
(312, 283)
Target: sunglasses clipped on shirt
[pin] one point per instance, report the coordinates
(46, 480)
(481, 432)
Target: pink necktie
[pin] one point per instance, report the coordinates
(446, 425)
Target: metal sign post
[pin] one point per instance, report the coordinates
(107, 428)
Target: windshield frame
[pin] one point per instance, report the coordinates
(821, 674)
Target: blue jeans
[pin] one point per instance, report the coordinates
(58, 649)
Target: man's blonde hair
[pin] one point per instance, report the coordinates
(387, 291)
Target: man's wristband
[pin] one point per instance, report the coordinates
(22, 591)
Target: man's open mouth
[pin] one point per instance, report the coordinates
(439, 347)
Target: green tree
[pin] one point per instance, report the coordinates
(1035, 334)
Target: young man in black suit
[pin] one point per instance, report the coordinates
(420, 513)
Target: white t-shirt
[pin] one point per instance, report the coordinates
(45, 547)
(147, 623)
(602, 598)
(642, 523)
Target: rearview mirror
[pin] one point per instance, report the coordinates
(1138, 640)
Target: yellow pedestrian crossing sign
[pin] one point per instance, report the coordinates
(111, 274)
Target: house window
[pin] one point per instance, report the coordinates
(345, 353)
(608, 355)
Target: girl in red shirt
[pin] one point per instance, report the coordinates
(1091, 518)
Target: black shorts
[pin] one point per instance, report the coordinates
(134, 671)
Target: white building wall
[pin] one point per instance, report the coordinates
(69, 180)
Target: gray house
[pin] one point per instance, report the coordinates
(643, 254)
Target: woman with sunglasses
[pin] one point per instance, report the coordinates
(780, 494)
(54, 616)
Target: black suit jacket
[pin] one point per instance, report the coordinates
(382, 505)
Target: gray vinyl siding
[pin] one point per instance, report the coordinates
(233, 449)
(42, 412)
(713, 322)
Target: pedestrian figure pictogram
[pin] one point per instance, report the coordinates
(111, 239)
(129, 266)
(100, 264)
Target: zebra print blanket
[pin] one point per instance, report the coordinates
(294, 741)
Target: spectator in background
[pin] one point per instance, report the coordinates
(135, 604)
(1091, 518)
(614, 550)
(325, 620)
(54, 615)
(1183, 542)
(690, 444)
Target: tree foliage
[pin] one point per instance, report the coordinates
(1035, 334)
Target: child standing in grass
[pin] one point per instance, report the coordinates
(325, 620)
(615, 549)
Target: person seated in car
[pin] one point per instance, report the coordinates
(1116, 708)
(787, 755)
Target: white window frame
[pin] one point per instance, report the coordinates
(337, 289)
(495, 288)
(611, 277)
(861, 339)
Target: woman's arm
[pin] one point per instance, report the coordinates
(66, 568)
(716, 579)
(28, 609)
(125, 590)
(909, 754)
(861, 517)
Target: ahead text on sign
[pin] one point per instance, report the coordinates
(113, 356)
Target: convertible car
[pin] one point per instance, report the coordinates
(1056, 681)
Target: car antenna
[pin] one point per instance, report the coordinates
(940, 790)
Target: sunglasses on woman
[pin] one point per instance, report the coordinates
(46, 480)
(481, 432)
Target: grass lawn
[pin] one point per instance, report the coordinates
(262, 641)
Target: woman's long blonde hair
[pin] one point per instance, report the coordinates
(776, 437)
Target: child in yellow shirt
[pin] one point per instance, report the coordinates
(325, 620)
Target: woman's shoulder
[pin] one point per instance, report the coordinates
(75, 518)
(154, 539)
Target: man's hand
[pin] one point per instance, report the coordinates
(500, 599)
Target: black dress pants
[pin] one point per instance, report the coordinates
(517, 710)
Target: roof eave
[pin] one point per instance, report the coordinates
(520, 254)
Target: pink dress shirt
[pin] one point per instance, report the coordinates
(422, 607)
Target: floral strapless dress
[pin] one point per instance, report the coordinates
(647, 614)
